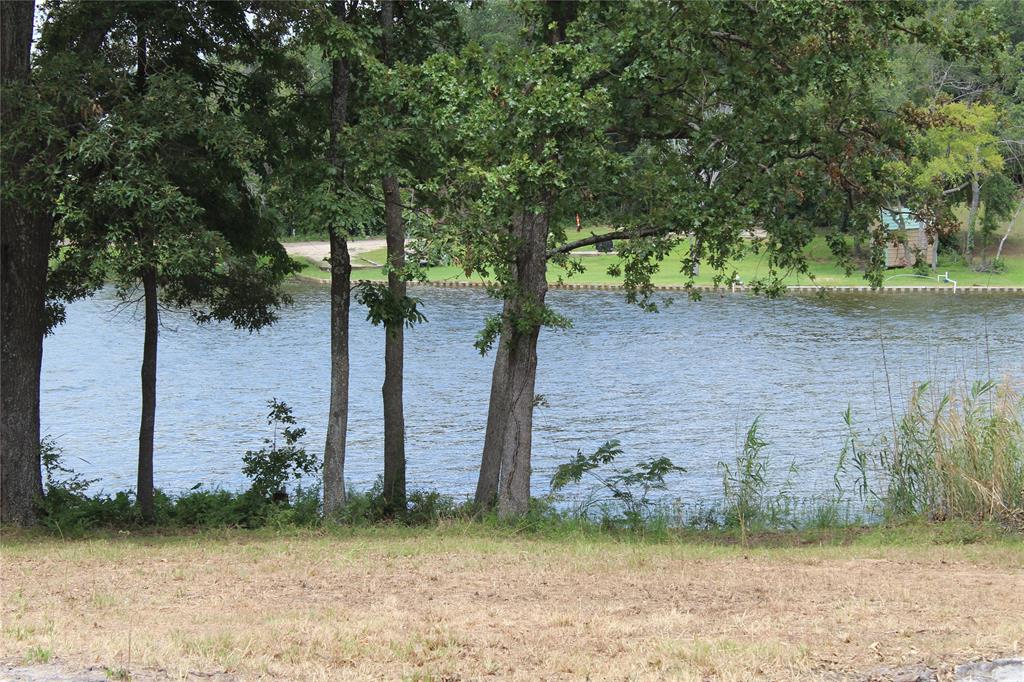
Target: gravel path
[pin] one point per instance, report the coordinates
(318, 251)
(56, 672)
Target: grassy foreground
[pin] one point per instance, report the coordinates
(465, 600)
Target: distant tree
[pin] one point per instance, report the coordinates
(492, 24)
(969, 98)
(960, 154)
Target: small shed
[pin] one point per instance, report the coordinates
(906, 239)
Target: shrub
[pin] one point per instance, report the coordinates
(66, 506)
(429, 507)
(627, 489)
(272, 466)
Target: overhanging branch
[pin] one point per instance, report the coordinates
(607, 237)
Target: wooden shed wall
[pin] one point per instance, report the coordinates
(903, 255)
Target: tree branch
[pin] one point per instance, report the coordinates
(601, 238)
(731, 38)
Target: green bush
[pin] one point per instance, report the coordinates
(273, 465)
(956, 456)
(624, 492)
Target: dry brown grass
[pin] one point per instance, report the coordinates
(452, 605)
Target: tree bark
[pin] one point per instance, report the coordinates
(341, 285)
(24, 248)
(394, 355)
(147, 426)
(508, 440)
(337, 422)
(490, 466)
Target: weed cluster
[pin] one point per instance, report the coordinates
(957, 455)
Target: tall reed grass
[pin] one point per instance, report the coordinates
(957, 454)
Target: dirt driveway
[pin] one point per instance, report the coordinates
(318, 251)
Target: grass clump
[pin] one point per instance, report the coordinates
(955, 457)
(958, 455)
(38, 654)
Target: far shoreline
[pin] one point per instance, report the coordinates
(704, 288)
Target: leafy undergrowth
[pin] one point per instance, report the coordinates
(952, 470)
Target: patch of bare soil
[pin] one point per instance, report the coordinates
(56, 672)
(319, 251)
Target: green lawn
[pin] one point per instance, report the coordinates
(823, 272)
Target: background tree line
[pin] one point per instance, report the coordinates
(166, 147)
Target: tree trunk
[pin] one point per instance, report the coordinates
(24, 247)
(147, 427)
(1009, 228)
(505, 464)
(972, 217)
(337, 422)
(341, 284)
(508, 440)
(490, 466)
(394, 330)
(394, 355)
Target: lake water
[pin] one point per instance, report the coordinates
(684, 383)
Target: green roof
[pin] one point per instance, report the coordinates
(900, 219)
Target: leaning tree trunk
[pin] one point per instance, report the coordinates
(505, 464)
(508, 442)
(147, 426)
(24, 247)
(341, 285)
(1009, 228)
(394, 355)
(490, 466)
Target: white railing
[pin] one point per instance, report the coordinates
(941, 279)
